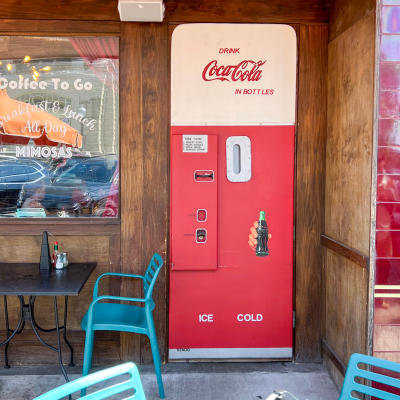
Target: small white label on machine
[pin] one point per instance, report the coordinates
(195, 143)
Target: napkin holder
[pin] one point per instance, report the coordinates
(45, 260)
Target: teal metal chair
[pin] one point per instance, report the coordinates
(104, 315)
(369, 375)
(132, 385)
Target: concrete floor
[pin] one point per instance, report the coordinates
(193, 381)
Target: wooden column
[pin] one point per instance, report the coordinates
(144, 97)
(310, 171)
(156, 115)
(131, 158)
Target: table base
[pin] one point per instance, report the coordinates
(27, 314)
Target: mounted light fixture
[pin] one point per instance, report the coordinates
(141, 10)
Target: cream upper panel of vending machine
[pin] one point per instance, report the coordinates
(233, 74)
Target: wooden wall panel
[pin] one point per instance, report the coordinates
(25, 350)
(345, 13)
(349, 135)
(348, 179)
(346, 316)
(310, 170)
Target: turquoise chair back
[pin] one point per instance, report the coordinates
(370, 376)
(150, 276)
(132, 384)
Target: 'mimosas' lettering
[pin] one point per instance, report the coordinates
(246, 70)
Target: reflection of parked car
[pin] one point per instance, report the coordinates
(84, 186)
(16, 174)
(81, 185)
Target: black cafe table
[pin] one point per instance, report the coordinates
(23, 279)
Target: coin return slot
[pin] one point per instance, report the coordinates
(201, 235)
(201, 215)
(238, 159)
(204, 176)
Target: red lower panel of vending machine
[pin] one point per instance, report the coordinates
(225, 302)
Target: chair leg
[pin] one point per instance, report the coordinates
(156, 360)
(87, 355)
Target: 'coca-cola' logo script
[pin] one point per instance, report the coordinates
(246, 70)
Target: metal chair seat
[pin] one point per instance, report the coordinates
(117, 317)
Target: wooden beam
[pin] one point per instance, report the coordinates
(83, 10)
(346, 251)
(252, 11)
(26, 27)
(59, 226)
(310, 170)
(285, 11)
(344, 14)
(333, 357)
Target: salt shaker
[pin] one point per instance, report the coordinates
(65, 259)
(60, 261)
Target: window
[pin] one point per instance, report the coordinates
(59, 127)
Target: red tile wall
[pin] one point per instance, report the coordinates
(387, 268)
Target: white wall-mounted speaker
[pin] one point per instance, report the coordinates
(141, 11)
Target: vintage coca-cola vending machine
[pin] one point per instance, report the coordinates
(233, 97)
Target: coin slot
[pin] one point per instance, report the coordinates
(204, 176)
(201, 235)
(201, 215)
